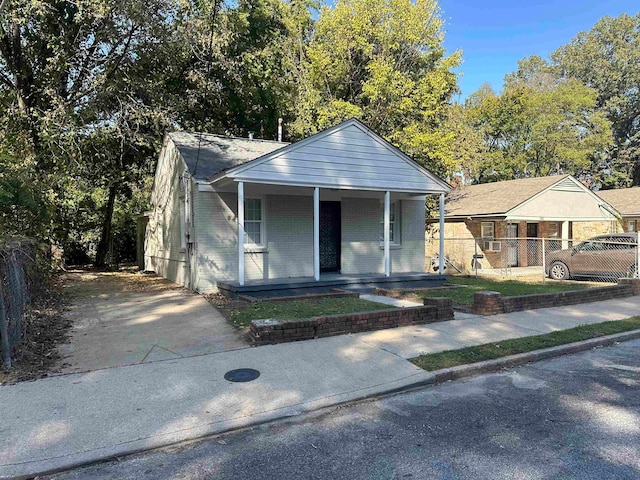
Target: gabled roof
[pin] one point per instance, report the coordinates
(496, 198)
(624, 200)
(207, 154)
(347, 156)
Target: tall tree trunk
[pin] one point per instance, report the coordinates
(105, 236)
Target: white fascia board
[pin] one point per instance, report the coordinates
(342, 187)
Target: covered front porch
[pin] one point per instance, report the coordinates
(340, 208)
(365, 283)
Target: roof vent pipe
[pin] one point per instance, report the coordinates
(280, 129)
(250, 135)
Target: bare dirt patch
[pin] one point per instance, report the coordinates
(87, 283)
(228, 307)
(45, 327)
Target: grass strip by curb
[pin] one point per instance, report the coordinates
(490, 351)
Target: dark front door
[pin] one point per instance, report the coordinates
(330, 236)
(533, 252)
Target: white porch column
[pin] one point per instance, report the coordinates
(241, 233)
(565, 234)
(316, 233)
(387, 234)
(441, 252)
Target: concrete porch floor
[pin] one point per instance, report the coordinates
(364, 283)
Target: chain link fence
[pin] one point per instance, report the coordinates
(602, 258)
(17, 268)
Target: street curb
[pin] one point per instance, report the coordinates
(434, 377)
(487, 366)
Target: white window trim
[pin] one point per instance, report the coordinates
(493, 230)
(257, 247)
(396, 209)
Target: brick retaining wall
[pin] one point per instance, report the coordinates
(493, 303)
(276, 331)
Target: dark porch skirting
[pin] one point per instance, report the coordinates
(302, 285)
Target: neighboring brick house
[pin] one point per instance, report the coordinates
(302, 209)
(627, 202)
(500, 220)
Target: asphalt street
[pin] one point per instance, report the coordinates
(574, 417)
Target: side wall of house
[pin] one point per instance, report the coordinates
(163, 253)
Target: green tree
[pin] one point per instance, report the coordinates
(540, 124)
(381, 61)
(607, 58)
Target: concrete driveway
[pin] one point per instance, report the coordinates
(127, 318)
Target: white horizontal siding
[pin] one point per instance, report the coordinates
(346, 158)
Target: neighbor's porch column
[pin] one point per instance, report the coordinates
(441, 252)
(316, 233)
(387, 234)
(564, 234)
(241, 233)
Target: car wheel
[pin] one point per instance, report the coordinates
(559, 271)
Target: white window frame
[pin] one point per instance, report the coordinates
(493, 230)
(263, 242)
(394, 208)
(181, 217)
(632, 226)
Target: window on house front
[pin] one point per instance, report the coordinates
(253, 222)
(632, 226)
(488, 230)
(394, 233)
(181, 216)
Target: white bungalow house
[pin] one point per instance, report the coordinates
(343, 206)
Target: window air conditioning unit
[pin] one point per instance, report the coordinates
(490, 246)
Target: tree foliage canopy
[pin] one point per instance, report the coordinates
(381, 61)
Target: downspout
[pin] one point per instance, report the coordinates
(188, 227)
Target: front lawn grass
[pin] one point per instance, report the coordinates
(470, 285)
(489, 351)
(302, 309)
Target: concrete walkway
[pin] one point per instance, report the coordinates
(113, 327)
(71, 419)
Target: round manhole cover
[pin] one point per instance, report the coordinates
(242, 375)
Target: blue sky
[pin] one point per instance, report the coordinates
(495, 34)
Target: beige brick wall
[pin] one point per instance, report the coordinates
(584, 230)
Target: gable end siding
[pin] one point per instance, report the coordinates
(347, 158)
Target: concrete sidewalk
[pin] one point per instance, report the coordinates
(59, 422)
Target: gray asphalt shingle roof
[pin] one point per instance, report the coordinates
(218, 152)
(495, 198)
(624, 200)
